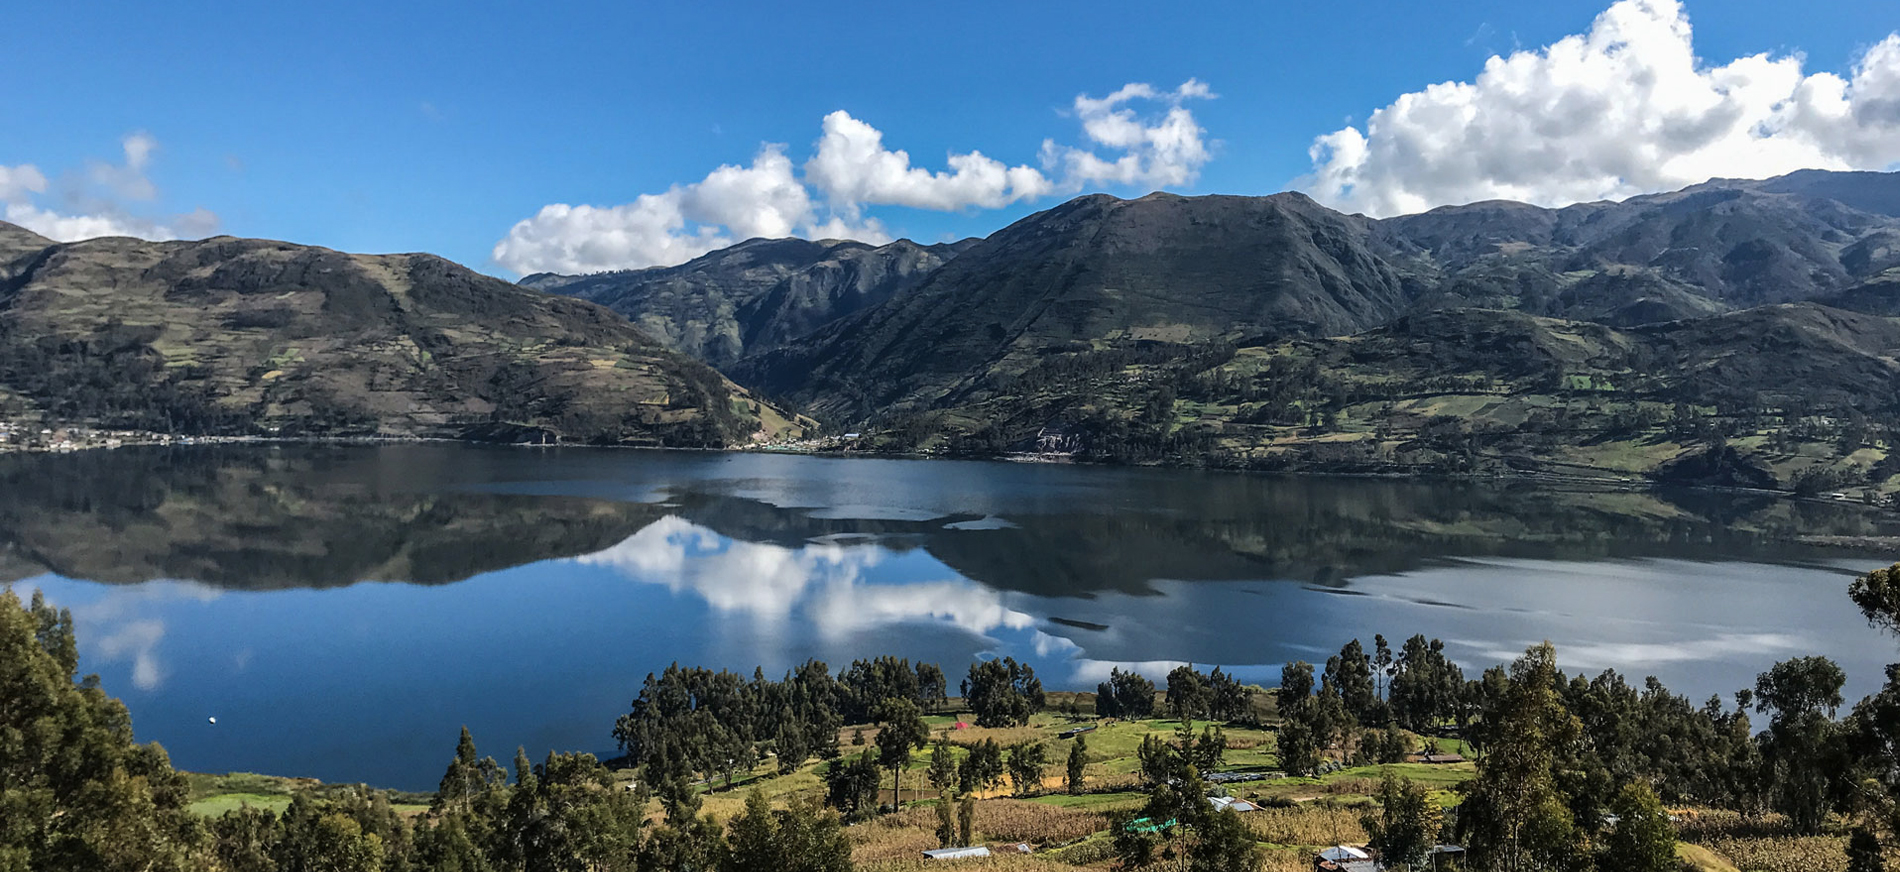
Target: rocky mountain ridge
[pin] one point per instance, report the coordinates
(235, 336)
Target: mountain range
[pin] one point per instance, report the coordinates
(1278, 332)
(1737, 331)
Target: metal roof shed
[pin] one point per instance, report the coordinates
(956, 853)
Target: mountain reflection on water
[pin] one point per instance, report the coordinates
(543, 584)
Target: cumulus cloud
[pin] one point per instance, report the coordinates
(851, 169)
(1623, 109)
(93, 204)
(1155, 152)
(19, 184)
(672, 227)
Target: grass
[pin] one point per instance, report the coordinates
(1700, 859)
(1782, 853)
(217, 806)
(1311, 825)
(1096, 802)
(214, 795)
(1427, 774)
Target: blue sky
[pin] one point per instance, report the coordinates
(440, 126)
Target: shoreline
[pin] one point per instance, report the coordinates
(1536, 472)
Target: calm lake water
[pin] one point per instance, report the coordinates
(342, 611)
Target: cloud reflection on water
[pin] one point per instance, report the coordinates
(829, 583)
(121, 625)
(1636, 616)
(1632, 658)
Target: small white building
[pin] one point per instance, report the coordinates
(956, 853)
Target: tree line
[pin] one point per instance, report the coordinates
(691, 721)
(1574, 772)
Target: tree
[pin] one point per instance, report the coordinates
(1296, 687)
(1332, 723)
(1002, 693)
(946, 818)
(469, 779)
(1383, 663)
(931, 693)
(669, 774)
(1187, 693)
(1406, 825)
(1078, 764)
(851, 787)
(982, 768)
(244, 840)
(966, 820)
(943, 767)
(868, 683)
(1207, 751)
(791, 747)
(1223, 844)
(1227, 698)
(1158, 761)
(1513, 817)
(1878, 595)
(801, 838)
(1299, 748)
(568, 813)
(690, 845)
(1425, 686)
(1350, 673)
(1026, 762)
(1125, 695)
(1875, 723)
(317, 839)
(75, 791)
(1643, 839)
(752, 838)
(1802, 746)
(1863, 852)
(901, 731)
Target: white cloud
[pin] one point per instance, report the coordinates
(1156, 152)
(93, 205)
(849, 170)
(128, 180)
(732, 203)
(852, 167)
(1624, 109)
(19, 184)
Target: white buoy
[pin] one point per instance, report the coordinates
(212, 720)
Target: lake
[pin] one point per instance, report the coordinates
(343, 610)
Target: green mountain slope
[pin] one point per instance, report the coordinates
(1715, 247)
(1162, 268)
(1801, 395)
(1609, 338)
(242, 336)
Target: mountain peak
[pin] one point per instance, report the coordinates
(16, 240)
